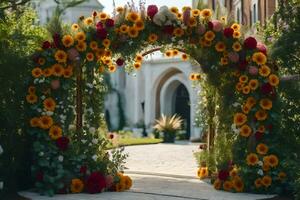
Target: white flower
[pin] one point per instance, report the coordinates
(83, 141)
(92, 130)
(43, 97)
(95, 141)
(39, 110)
(1, 150)
(41, 81)
(236, 104)
(60, 158)
(36, 81)
(41, 153)
(159, 19)
(49, 113)
(260, 172)
(260, 163)
(94, 157)
(1, 185)
(72, 127)
(62, 117)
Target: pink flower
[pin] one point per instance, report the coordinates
(201, 29)
(250, 43)
(109, 181)
(55, 84)
(186, 16)
(233, 56)
(262, 48)
(152, 10)
(217, 26)
(253, 70)
(73, 54)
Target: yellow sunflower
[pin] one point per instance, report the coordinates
(246, 89)
(236, 27)
(61, 56)
(124, 28)
(49, 104)
(252, 159)
(76, 186)
(236, 34)
(220, 47)
(233, 173)
(137, 65)
(273, 80)
(90, 56)
(178, 32)
(120, 9)
(217, 184)
(239, 86)
(240, 119)
(209, 36)
(80, 36)
(251, 101)
(94, 45)
(246, 108)
(236, 47)
(88, 21)
(203, 172)
(47, 72)
(175, 52)
(138, 58)
(196, 12)
(152, 38)
(57, 70)
(192, 22)
(264, 71)
(31, 90)
(41, 61)
(266, 104)
(224, 61)
(184, 57)
(258, 183)
(35, 122)
(168, 53)
(81, 46)
(261, 128)
(102, 16)
(75, 27)
(273, 160)
(68, 72)
(46, 122)
(259, 58)
(133, 32)
(227, 185)
(31, 98)
(266, 181)
(133, 16)
(106, 43)
(37, 72)
(206, 13)
(139, 25)
(55, 132)
(261, 115)
(112, 68)
(67, 40)
(238, 184)
(127, 182)
(262, 149)
(174, 10)
(243, 79)
(253, 84)
(245, 131)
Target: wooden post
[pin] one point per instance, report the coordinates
(79, 109)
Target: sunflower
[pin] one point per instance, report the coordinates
(251, 101)
(236, 34)
(120, 187)
(236, 27)
(124, 28)
(207, 43)
(233, 173)
(236, 47)
(246, 89)
(261, 115)
(108, 53)
(49, 104)
(133, 16)
(192, 22)
(90, 56)
(47, 72)
(75, 27)
(266, 167)
(67, 40)
(106, 43)
(239, 86)
(245, 131)
(179, 16)
(68, 72)
(227, 185)
(238, 184)
(168, 53)
(220, 47)
(196, 12)
(127, 182)
(31, 98)
(203, 172)
(258, 183)
(217, 184)
(61, 56)
(224, 19)
(178, 32)
(273, 160)
(120, 9)
(174, 10)
(80, 36)
(243, 79)
(209, 36)
(112, 68)
(184, 57)
(46, 122)
(138, 58)
(31, 90)
(55, 132)
(281, 176)
(246, 108)
(102, 16)
(175, 52)
(41, 61)
(184, 8)
(266, 181)
(137, 65)
(259, 58)
(206, 13)
(262, 149)
(253, 84)
(88, 21)
(152, 38)
(266, 104)
(261, 128)
(240, 119)
(35, 122)
(101, 69)
(224, 61)
(57, 70)
(76, 186)
(273, 80)
(139, 25)
(252, 159)
(36, 72)
(264, 71)
(81, 46)
(94, 45)
(107, 60)
(133, 32)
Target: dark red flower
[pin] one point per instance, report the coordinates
(62, 190)
(168, 29)
(270, 127)
(152, 10)
(120, 62)
(94, 14)
(62, 143)
(210, 25)
(266, 89)
(243, 65)
(95, 183)
(258, 135)
(56, 40)
(111, 136)
(109, 23)
(46, 45)
(83, 169)
(99, 25)
(223, 175)
(228, 32)
(101, 33)
(39, 176)
(250, 43)
(262, 48)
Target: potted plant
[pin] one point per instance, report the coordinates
(168, 125)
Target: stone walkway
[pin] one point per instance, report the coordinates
(160, 172)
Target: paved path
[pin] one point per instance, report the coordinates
(160, 172)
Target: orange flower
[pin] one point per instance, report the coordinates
(41, 61)
(47, 72)
(272, 160)
(127, 181)
(217, 184)
(206, 13)
(203, 172)
(224, 61)
(35, 122)
(124, 28)
(243, 79)
(68, 72)
(234, 172)
(61, 56)
(209, 36)
(49, 104)
(31, 90)
(80, 36)
(220, 47)
(174, 10)
(236, 34)
(88, 21)
(246, 89)
(273, 80)
(168, 53)
(261, 115)
(178, 32)
(192, 22)
(175, 52)
(81, 46)
(245, 131)
(266, 181)
(36, 72)
(251, 101)
(55, 132)
(93, 45)
(102, 16)
(246, 108)
(112, 68)
(259, 58)
(57, 70)
(240, 119)
(76, 186)
(266, 167)
(120, 9)
(184, 57)
(261, 129)
(101, 69)
(138, 58)
(253, 84)
(266, 104)
(31, 98)
(196, 12)
(252, 159)
(236, 27)
(90, 56)
(152, 38)
(75, 27)
(238, 184)
(264, 70)
(281, 176)
(227, 185)
(133, 16)
(239, 86)
(262, 149)
(67, 40)
(133, 32)
(46, 122)
(258, 183)
(137, 65)
(139, 25)
(237, 46)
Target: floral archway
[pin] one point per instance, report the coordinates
(99, 43)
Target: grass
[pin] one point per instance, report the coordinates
(135, 141)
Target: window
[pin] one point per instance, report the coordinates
(238, 11)
(238, 15)
(254, 12)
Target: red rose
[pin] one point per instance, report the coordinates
(258, 135)
(266, 89)
(62, 143)
(46, 45)
(109, 23)
(223, 175)
(101, 33)
(262, 48)
(95, 183)
(56, 40)
(39, 176)
(250, 43)
(83, 169)
(152, 10)
(243, 65)
(228, 32)
(99, 25)
(168, 29)
(120, 62)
